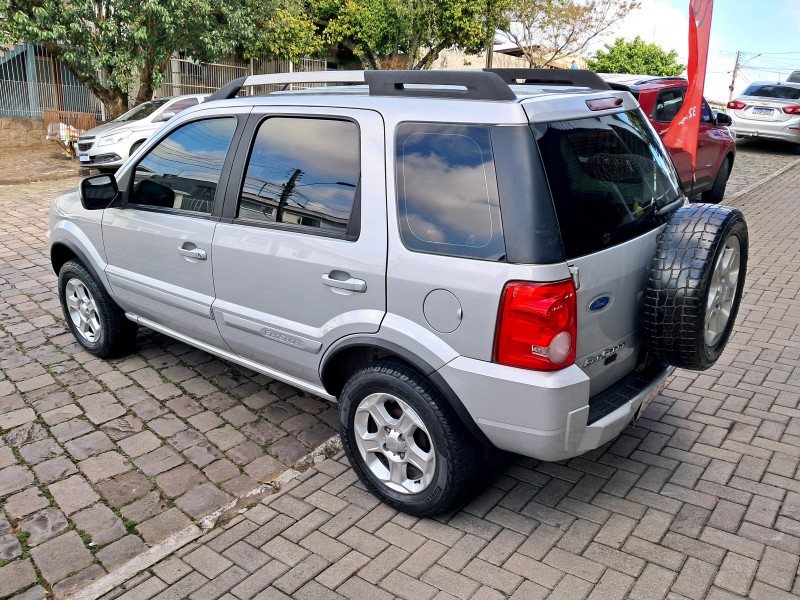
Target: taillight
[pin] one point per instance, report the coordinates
(736, 104)
(537, 325)
(791, 110)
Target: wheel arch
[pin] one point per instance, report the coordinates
(354, 353)
(64, 251)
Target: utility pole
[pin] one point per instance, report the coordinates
(288, 188)
(735, 73)
(490, 41)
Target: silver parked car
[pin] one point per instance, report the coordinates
(768, 110)
(463, 259)
(108, 145)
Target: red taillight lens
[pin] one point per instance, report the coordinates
(537, 325)
(736, 105)
(791, 110)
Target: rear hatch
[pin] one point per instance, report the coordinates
(766, 102)
(613, 187)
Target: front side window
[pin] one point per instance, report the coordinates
(303, 173)
(447, 190)
(608, 177)
(668, 104)
(182, 171)
(143, 110)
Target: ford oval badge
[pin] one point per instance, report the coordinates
(599, 303)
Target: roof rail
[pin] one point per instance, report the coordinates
(573, 77)
(469, 85)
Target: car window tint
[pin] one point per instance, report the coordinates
(668, 104)
(706, 116)
(303, 172)
(182, 171)
(447, 191)
(608, 177)
(782, 92)
(182, 105)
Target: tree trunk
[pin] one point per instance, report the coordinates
(427, 60)
(146, 76)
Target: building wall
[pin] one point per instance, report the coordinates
(22, 133)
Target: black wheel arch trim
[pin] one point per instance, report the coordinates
(421, 365)
(80, 255)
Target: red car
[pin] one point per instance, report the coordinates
(661, 99)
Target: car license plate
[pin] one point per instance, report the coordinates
(649, 399)
(762, 111)
(83, 157)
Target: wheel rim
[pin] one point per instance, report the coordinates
(394, 443)
(722, 290)
(82, 310)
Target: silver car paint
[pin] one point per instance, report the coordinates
(272, 305)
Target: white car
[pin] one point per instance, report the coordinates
(107, 146)
(768, 110)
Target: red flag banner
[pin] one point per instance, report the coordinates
(685, 128)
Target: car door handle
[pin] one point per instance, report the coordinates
(343, 281)
(189, 250)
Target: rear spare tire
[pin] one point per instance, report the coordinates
(695, 285)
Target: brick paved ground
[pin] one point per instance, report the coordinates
(99, 459)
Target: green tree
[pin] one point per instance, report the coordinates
(549, 30)
(636, 57)
(407, 33)
(110, 45)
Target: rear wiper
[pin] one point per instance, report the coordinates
(672, 206)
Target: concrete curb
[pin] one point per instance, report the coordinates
(178, 540)
(760, 182)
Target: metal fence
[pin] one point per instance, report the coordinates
(184, 76)
(34, 84)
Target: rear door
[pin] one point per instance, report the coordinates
(300, 255)
(608, 176)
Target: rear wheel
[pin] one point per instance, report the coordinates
(717, 191)
(695, 285)
(404, 441)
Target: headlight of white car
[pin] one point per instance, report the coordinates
(114, 138)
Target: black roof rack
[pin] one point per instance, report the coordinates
(571, 77)
(468, 85)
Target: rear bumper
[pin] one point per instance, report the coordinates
(787, 131)
(547, 415)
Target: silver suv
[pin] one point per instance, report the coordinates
(462, 259)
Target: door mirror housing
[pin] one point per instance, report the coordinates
(723, 119)
(98, 192)
(167, 116)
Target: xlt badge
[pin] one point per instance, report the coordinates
(604, 354)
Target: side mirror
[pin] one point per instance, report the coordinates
(167, 116)
(723, 119)
(98, 192)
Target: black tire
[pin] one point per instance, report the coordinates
(112, 334)
(796, 148)
(675, 311)
(458, 458)
(717, 191)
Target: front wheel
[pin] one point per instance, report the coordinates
(404, 441)
(97, 323)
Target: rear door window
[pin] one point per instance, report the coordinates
(608, 177)
(668, 104)
(447, 191)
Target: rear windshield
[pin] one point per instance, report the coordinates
(782, 92)
(608, 176)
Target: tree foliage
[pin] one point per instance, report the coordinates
(407, 33)
(110, 45)
(549, 30)
(636, 57)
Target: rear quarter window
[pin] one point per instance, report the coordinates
(447, 191)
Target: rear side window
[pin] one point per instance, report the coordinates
(608, 176)
(447, 191)
(781, 92)
(303, 173)
(668, 104)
